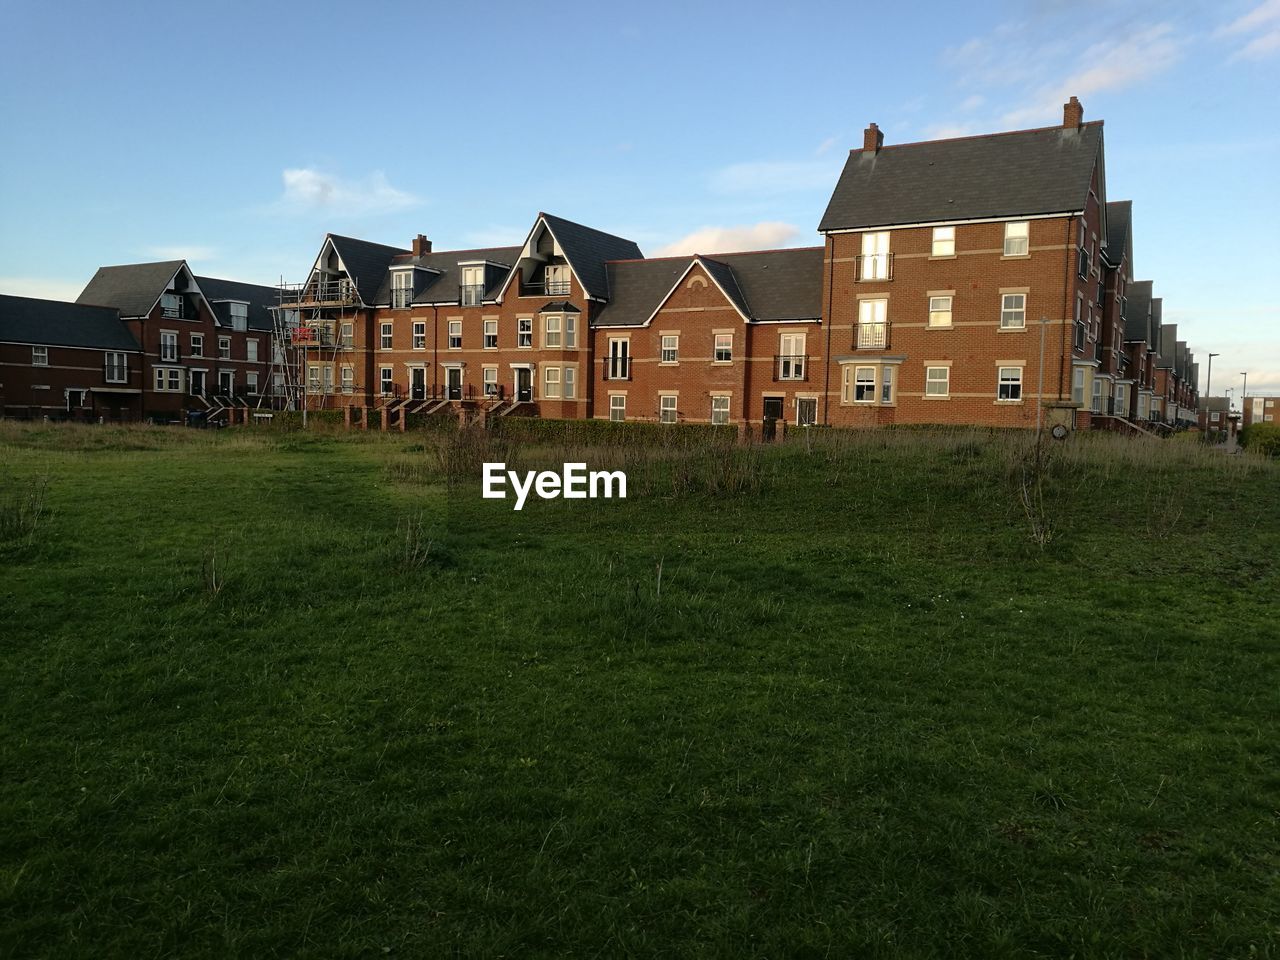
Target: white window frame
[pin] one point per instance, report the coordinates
(1077, 385)
(570, 331)
(570, 383)
(1013, 317)
(873, 323)
(386, 335)
(168, 346)
(722, 346)
(618, 407)
(944, 242)
(401, 289)
(720, 410)
(224, 348)
(553, 331)
(669, 348)
(932, 381)
(116, 363)
(489, 381)
(386, 381)
(887, 397)
(875, 256)
(455, 334)
(40, 356)
(668, 411)
(1008, 386)
(1017, 238)
(524, 333)
(251, 351)
(197, 345)
(491, 334)
(939, 307)
(347, 334)
(251, 382)
(347, 378)
(239, 316)
(864, 384)
(551, 383)
(419, 335)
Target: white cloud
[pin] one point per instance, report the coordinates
(41, 288)
(1113, 65)
(1265, 14)
(774, 177)
(497, 236)
(825, 146)
(183, 252)
(973, 102)
(307, 190)
(767, 235)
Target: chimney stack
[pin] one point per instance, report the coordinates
(421, 245)
(1072, 114)
(872, 138)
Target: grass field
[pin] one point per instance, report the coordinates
(886, 694)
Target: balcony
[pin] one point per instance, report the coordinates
(873, 336)
(791, 367)
(305, 336)
(470, 294)
(617, 368)
(319, 293)
(546, 288)
(401, 297)
(873, 266)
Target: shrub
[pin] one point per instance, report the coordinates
(1262, 438)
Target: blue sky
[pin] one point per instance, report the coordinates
(236, 135)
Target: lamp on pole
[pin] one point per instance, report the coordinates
(1244, 391)
(1208, 378)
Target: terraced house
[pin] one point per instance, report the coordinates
(982, 280)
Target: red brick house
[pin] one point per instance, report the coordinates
(206, 343)
(950, 263)
(67, 361)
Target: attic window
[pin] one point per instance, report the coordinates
(471, 291)
(239, 316)
(401, 289)
(172, 305)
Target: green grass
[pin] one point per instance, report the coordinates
(282, 694)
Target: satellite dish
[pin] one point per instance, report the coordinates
(1059, 431)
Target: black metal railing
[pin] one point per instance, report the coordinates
(872, 336)
(321, 291)
(873, 266)
(791, 367)
(174, 312)
(470, 294)
(495, 391)
(401, 297)
(549, 288)
(617, 368)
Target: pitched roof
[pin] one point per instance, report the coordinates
(1153, 328)
(441, 279)
(1024, 173)
(366, 263)
(260, 299)
(1168, 345)
(131, 288)
(764, 285)
(1137, 315)
(58, 323)
(588, 250)
(1119, 242)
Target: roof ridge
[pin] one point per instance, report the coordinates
(371, 243)
(978, 136)
(712, 256)
(542, 214)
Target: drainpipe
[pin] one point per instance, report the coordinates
(1068, 316)
(435, 346)
(826, 383)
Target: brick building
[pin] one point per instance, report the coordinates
(1261, 410)
(67, 361)
(206, 344)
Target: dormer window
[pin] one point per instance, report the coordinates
(172, 305)
(471, 291)
(239, 316)
(401, 289)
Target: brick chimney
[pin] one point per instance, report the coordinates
(1072, 114)
(872, 138)
(421, 245)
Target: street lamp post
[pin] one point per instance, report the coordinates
(1208, 394)
(1244, 393)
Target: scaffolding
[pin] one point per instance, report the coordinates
(310, 321)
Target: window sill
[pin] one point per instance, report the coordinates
(935, 396)
(668, 363)
(942, 256)
(722, 363)
(1021, 329)
(1015, 256)
(1007, 403)
(939, 326)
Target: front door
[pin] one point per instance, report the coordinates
(524, 384)
(197, 383)
(226, 382)
(453, 379)
(772, 414)
(418, 384)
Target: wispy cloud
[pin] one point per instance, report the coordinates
(193, 252)
(767, 235)
(497, 236)
(825, 146)
(1018, 56)
(1113, 65)
(41, 288)
(307, 190)
(767, 178)
(1262, 24)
